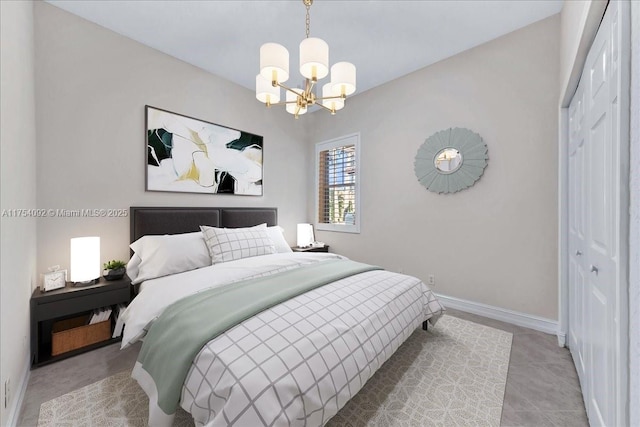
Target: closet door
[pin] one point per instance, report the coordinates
(594, 224)
(577, 244)
(600, 240)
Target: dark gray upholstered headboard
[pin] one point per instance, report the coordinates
(174, 220)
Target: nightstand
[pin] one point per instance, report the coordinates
(324, 248)
(68, 303)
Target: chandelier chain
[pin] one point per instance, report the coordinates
(308, 18)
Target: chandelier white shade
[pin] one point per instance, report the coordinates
(333, 104)
(274, 62)
(266, 92)
(314, 65)
(314, 58)
(292, 104)
(343, 78)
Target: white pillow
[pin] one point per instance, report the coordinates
(169, 254)
(228, 244)
(276, 234)
(133, 267)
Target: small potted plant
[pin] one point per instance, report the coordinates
(114, 269)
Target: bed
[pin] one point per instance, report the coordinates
(265, 336)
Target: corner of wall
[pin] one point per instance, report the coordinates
(18, 198)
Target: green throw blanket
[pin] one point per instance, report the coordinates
(186, 326)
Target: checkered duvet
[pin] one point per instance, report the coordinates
(299, 362)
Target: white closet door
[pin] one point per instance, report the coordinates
(594, 223)
(577, 245)
(601, 223)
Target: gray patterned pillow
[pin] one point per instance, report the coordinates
(228, 244)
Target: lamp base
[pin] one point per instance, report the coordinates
(86, 283)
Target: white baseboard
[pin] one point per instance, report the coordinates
(509, 316)
(16, 405)
(562, 339)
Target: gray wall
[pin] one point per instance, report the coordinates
(92, 86)
(18, 177)
(494, 243)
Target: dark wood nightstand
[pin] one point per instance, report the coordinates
(69, 302)
(324, 248)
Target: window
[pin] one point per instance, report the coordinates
(338, 184)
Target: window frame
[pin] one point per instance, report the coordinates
(346, 140)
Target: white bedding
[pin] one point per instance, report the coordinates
(296, 363)
(157, 294)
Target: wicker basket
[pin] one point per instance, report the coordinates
(72, 334)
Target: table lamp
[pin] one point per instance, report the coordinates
(305, 235)
(85, 260)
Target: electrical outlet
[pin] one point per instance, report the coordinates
(7, 393)
(432, 280)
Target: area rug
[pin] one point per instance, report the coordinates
(452, 375)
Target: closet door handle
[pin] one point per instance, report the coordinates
(594, 269)
(578, 253)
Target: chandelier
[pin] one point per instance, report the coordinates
(314, 65)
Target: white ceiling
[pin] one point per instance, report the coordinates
(385, 39)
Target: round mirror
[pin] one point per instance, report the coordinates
(451, 160)
(448, 160)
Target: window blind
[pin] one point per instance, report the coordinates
(337, 185)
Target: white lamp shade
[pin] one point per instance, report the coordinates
(265, 91)
(292, 108)
(343, 78)
(85, 259)
(305, 235)
(314, 58)
(274, 58)
(334, 104)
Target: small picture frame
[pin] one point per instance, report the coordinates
(54, 280)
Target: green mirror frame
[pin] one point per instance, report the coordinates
(471, 150)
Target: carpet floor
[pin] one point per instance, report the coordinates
(452, 375)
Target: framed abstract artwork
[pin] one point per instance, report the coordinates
(188, 155)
